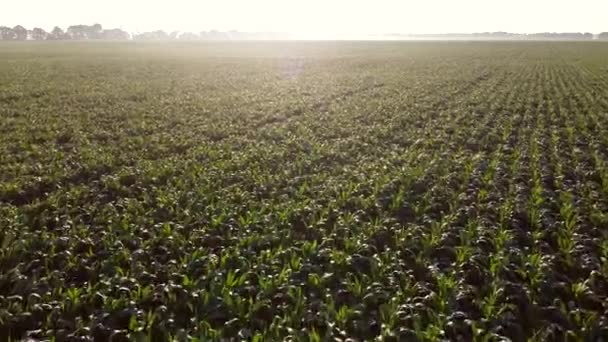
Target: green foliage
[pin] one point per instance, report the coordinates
(312, 191)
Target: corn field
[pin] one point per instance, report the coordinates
(304, 191)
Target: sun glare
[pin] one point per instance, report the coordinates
(316, 18)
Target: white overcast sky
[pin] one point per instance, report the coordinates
(315, 16)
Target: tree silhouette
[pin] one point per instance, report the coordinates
(77, 32)
(156, 35)
(57, 34)
(84, 32)
(189, 36)
(39, 34)
(6, 33)
(95, 32)
(115, 34)
(20, 32)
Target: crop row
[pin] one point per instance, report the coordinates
(391, 191)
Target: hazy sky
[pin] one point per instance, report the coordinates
(315, 17)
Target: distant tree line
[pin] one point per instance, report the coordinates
(75, 32)
(509, 36)
(97, 32)
(209, 35)
(561, 36)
